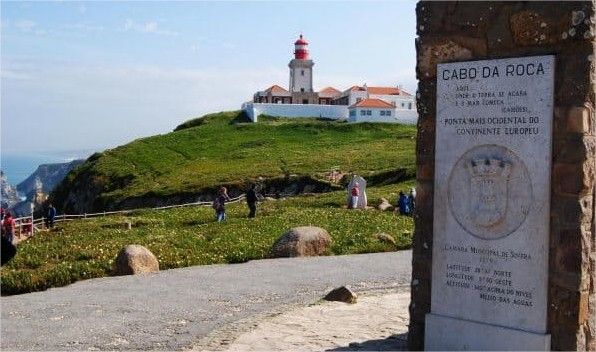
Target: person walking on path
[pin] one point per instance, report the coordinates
(355, 193)
(251, 200)
(8, 227)
(403, 204)
(219, 204)
(51, 216)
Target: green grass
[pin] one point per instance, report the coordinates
(84, 249)
(221, 149)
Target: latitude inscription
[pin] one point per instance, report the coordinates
(492, 196)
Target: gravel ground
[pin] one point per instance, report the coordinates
(176, 309)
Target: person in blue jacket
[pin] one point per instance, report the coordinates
(403, 204)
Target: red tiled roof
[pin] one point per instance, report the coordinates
(276, 89)
(372, 103)
(380, 90)
(329, 90)
(384, 90)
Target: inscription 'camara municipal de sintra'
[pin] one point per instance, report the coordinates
(492, 194)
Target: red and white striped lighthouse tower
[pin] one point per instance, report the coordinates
(301, 68)
(301, 49)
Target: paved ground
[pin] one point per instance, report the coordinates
(179, 309)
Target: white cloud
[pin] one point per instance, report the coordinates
(151, 27)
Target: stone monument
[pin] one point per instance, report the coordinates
(362, 200)
(504, 247)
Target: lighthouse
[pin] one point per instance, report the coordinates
(301, 73)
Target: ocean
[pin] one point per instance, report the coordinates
(17, 166)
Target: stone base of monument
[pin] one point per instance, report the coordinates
(450, 334)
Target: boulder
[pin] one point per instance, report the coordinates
(341, 294)
(384, 205)
(135, 259)
(383, 237)
(302, 242)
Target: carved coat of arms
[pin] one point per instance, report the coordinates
(490, 191)
(489, 186)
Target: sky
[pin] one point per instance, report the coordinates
(95, 75)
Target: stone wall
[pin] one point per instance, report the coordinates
(461, 31)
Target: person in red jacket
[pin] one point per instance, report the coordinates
(8, 226)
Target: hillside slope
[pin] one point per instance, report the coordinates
(219, 149)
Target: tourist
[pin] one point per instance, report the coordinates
(355, 193)
(403, 204)
(219, 204)
(412, 200)
(8, 250)
(251, 201)
(8, 226)
(51, 216)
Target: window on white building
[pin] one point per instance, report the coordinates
(362, 113)
(410, 106)
(382, 112)
(388, 113)
(403, 105)
(352, 112)
(302, 72)
(368, 112)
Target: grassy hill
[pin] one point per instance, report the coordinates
(180, 237)
(221, 149)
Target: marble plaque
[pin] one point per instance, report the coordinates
(491, 201)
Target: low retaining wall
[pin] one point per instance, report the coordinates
(253, 110)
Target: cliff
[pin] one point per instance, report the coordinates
(46, 177)
(8, 193)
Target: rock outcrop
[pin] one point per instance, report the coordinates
(8, 193)
(135, 259)
(302, 242)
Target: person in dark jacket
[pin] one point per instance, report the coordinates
(251, 201)
(8, 250)
(219, 204)
(51, 216)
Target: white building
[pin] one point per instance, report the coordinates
(372, 110)
(301, 100)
